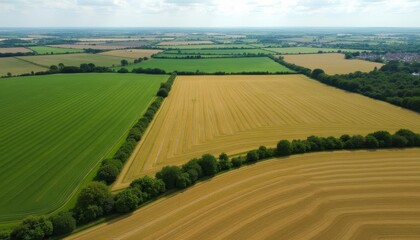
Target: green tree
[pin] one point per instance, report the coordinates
(209, 164)
(169, 175)
(236, 162)
(284, 148)
(124, 62)
(224, 163)
(371, 142)
(96, 193)
(127, 200)
(384, 138)
(162, 92)
(252, 156)
(399, 141)
(63, 223)
(108, 173)
(150, 187)
(32, 228)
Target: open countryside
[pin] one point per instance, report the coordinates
(233, 114)
(58, 129)
(332, 63)
(350, 194)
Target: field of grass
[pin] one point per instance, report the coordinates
(54, 50)
(206, 46)
(131, 53)
(169, 55)
(218, 51)
(299, 50)
(332, 63)
(74, 59)
(171, 43)
(329, 195)
(15, 50)
(16, 66)
(233, 114)
(56, 128)
(229, 65)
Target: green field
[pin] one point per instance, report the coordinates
(56, 129)
(74, 59)
(54, 50)
(298, 50)
(218, 51)
(16, 66)
(212, 65)
(205, 46)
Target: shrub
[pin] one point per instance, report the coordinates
(150, 187)
(123, 70)
(127, 200)
(209, 164)
(252, 156)
(224, 163)
(108, 173)
(169, 176)
(63, 223)
(236, 162)
(32, 228)
(284, 148)
(262, 152)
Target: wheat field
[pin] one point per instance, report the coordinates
(233, 114)
(329, 195)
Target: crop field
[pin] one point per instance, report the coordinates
(131, 53)
(219, 51)
(15, 50)
(16, 66)
(56, 130)
(207, 46)
(74, 59)
(329, 195)
(299, 50)
(54, 50)
(104, 46)
(167, 43)
(332, 63)
(229, 65)
(233, 114)
(169, 55)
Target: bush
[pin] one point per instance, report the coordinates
(169, 176)
(262, 152)
(371, 142)
(63, 223)
(127, 200)
(252, 156)
(162, 92)
(150, 187)
(209, 164)
(32, 228)
(224, 163)
(108, 173)
(236, 162)
(123, 70)
(284, 148)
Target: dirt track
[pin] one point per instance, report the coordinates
(340, 195)
(233, 114)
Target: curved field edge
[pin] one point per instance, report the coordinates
(115, 86)
(311, 196)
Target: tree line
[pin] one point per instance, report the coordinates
(393, 82)
(96, 201)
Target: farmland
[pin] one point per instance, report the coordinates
(104, 45)
(206, 46)
(15, 50)
(57, 128)
(219, 51)
(228, 65)
(131, 53)
(184, 43)
(233, 114)
(54, 50)
(16, 66)
(302, 50)
(73, 59)
(331, 63)
(335, 195)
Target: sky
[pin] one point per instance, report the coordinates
(209, 13)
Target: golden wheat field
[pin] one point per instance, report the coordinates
(329, 195)
(233, 114)
(132, 53)
(331, 63)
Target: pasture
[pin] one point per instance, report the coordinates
(305, 50)
(15, 50)
(56, 129)
(329, 195)
(233, 114)
(131, 53)
(16, 66)
(209, 65)
(219, 51)
(54, 50)
(74, 59)
(332, 63)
